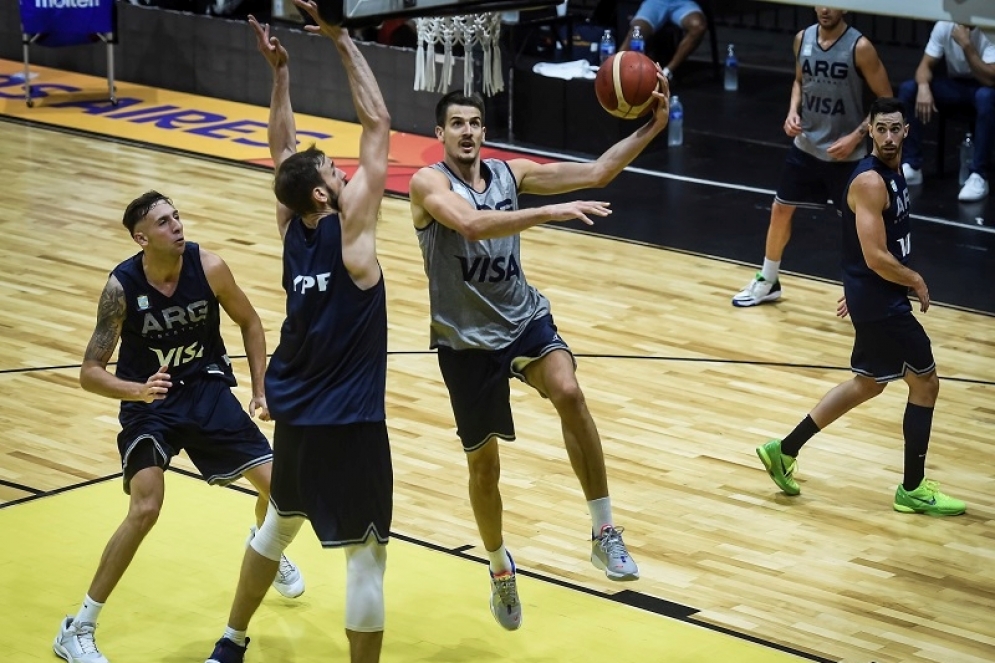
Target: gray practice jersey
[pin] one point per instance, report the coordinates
(832, 93)
(477, 289)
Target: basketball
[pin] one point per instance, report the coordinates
(625, 84)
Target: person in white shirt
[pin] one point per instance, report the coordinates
(969, 82)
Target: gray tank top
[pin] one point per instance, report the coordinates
(832, 93)
(477, 290)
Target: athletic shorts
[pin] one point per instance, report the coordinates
(478, 381)
(202, 417)
(811, 183)
(886, 349)
(338, 477)
(660, 12)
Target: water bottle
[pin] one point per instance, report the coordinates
(732, 71)
(675, 127)
(966, 158)
(607, 45)
(636, 41)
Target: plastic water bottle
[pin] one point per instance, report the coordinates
(675, 127)
(607, 45)
(966, 158)
(732, 70)
(636, 41)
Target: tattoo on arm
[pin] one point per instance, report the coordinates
(110, 317)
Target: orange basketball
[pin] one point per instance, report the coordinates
(625, 84)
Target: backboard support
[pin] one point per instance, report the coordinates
(360, 13)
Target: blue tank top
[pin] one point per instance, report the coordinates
(330, 368)
(868, 296)
(182, 332)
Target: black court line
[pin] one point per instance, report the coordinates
(583, 355)
(39, 494)
(21, 487)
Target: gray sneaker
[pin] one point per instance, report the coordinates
(609, 554)
(505, 606)
(75, 643)
(757, 291)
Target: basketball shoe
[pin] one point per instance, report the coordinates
(780, 467)
(75, 643)
(928, 499)
(758, 291)
(226, 651)
(505, 606)
(608, 553)
(289, 581)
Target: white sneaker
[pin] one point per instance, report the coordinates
(75, 643)
(975, 188)
(608, 553)
(913, 176)
(289, 581)
(757, 291)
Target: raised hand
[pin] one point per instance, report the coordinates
(579, 209)
(156, 386)
(323, 26)
(270, 47)
(662, 93)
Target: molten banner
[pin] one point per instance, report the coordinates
(65, 22)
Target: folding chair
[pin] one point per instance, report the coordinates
(55, 23)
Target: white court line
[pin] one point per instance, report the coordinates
(721, 185)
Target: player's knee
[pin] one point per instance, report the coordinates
(869, 387)
(364, 601)
(695, 25)
(924, 388)
(144, 513)
(485, 467)
(275, 534)
(566, 394)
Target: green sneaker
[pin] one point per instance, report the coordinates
(928, 499)
(780, 467)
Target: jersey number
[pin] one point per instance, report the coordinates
(906, 244)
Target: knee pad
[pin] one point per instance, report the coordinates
(275, 534)
(364, 604)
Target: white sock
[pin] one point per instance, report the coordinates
(238, 637)
(601, 514)
(500, 560)
(88, 612)
(770, 270)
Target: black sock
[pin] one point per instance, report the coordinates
(802, 433)
(917, 424)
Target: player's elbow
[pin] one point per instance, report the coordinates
(87, 378)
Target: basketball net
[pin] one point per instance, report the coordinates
(470, 30)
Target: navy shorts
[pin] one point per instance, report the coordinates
(478, 381)
(338, 477)
(811, 183)
(202, 417)
(886, 349)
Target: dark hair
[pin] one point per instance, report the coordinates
(886, 105)
(297, 177)
(457, 98)
(140, 206)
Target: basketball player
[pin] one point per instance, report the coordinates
(826, 120)
(174, 381)
(890, 344)
(326, 382)
(489, 324)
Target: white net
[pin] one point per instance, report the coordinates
(471, 30)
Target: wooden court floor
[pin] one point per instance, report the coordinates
(683, 387)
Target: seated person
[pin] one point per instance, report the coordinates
(654, 14)
(969, 82)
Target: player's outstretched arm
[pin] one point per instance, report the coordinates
(238, 307)
(563, 177)
(93, 374)
(433, 200)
